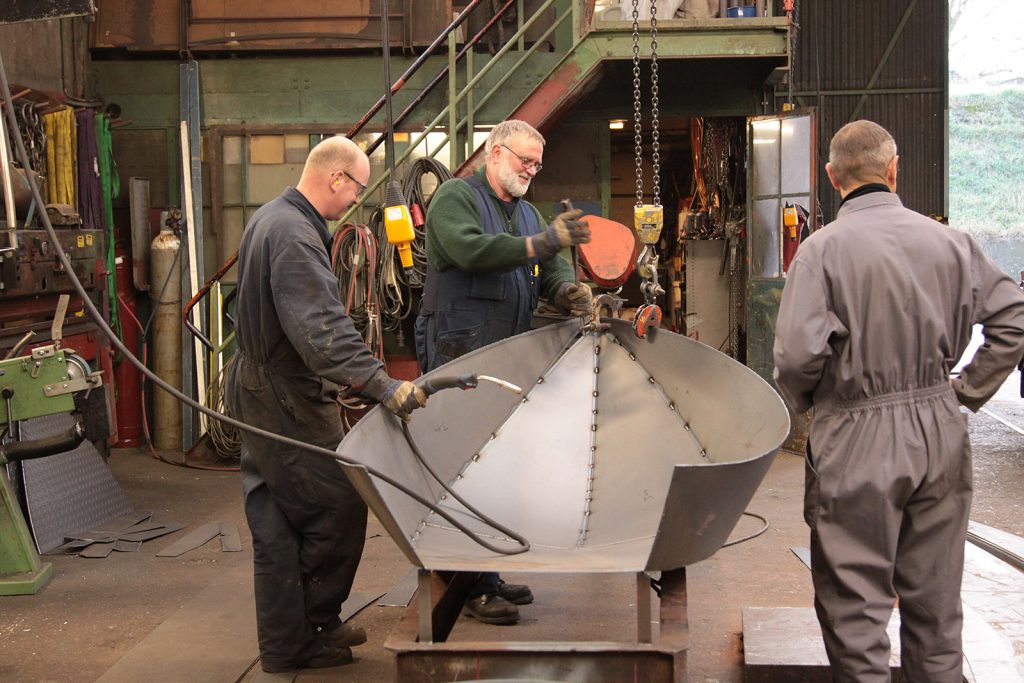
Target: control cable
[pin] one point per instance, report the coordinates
(90, 307)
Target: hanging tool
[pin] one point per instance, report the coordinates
(397, 220)
(648, 219)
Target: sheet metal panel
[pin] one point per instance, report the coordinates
(659, 441)
(839, 48)
(917, 122)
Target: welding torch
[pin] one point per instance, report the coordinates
(468, 381)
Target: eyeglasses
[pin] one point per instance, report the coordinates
(362, 188)
(525, 161)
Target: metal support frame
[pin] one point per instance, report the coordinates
(21, 571)
(462, 94)
(193, 368)
(423, 653)
(643, 608)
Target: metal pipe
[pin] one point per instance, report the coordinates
(414, 67)
(444, 72)
(469, 86)
(21, 344)
(5, 162)
(508, 74)
(385, 40)
(186, 312)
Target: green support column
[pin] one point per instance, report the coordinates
(21, 571)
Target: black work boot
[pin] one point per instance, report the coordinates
(515, 593)
(326, 657)
(492, 609)
(344, 635)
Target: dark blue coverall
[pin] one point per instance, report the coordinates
(295, 346)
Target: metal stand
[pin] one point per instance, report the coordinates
(424, 655)
(21, 571)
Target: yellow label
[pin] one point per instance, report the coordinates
(88, 240)
(80, 241)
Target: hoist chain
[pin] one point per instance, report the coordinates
(637, 137)
(655, 143)
(637, 106)
(792, 50)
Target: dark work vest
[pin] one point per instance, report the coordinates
(461, 311)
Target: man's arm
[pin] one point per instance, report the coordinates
(803, 330)
(998, 305)
(455, 238)
(555, 271)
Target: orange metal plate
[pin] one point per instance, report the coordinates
(610, 255)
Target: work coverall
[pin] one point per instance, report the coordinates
(481, 287)
(295, 346)
(878, 307)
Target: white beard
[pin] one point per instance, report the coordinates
(511, 181)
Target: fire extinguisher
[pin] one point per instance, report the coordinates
(794, 229)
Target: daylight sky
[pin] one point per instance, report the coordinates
(986, 47)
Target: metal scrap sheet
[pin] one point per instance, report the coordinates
(68, 492)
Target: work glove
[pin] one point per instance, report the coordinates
(573, 298)
(565, 231)
(402, 398)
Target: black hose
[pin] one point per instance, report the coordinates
(5, 91)
(41, 448)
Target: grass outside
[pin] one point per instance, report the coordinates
(986, 163)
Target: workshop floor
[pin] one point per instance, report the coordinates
(135, 616)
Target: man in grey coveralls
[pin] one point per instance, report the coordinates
(878, 307)
(296, 345)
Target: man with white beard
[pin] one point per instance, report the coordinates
(489, 261)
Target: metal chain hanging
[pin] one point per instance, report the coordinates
(637, 136)
(637, 106)
(648, 219)
(655, 143)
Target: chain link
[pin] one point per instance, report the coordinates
(655, 142)
(637, 136)
(793, 30)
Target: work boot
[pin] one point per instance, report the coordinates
(326, 657)
(492, 609)
(344, 635)
(515, 593)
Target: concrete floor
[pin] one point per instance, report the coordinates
(135, 616)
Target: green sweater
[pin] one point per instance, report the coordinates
(455, 238)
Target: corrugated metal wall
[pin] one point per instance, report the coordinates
(884, 60)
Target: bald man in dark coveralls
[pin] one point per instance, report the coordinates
(296, 345)
(878, 307)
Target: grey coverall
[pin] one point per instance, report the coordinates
(295, 346)
(877, 308)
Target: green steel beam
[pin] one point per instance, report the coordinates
(695, 43)
(21, 571)
(282, 90)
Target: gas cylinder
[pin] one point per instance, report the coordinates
(165, 291)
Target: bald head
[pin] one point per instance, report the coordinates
(335, 175)
(334, 153)
(861, 152)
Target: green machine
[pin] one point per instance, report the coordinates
(43, 382)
